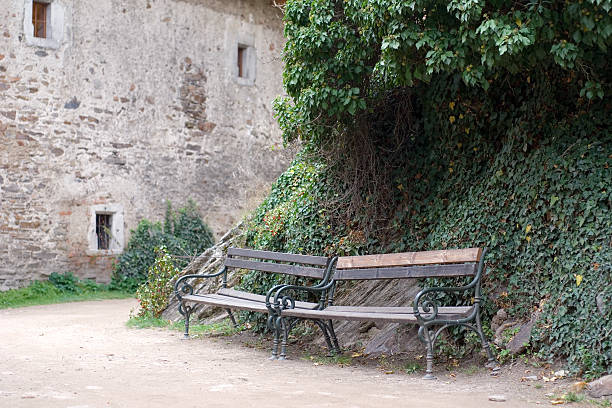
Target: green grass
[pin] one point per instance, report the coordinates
(411, 368)
(45, 292)
(223, 328)
(340, 360)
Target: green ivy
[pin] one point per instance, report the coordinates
(183, 233)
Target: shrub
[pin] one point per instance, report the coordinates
(183, 233)
(153, 294)
(66, 282)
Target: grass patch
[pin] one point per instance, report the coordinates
(58, 291)
(601, 403)
(340, 360)
(222, 328)
(411, 368)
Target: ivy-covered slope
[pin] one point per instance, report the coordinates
(519, 169)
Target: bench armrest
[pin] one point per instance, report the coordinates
(182, 287)
(278, 297)
(274, 299)
(430, 307)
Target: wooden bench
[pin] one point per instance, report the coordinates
(425, 311)
(314, 267)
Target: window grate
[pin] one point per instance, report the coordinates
(39, 19)
(103, 230)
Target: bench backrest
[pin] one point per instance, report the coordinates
(426, 264)
(288, 264)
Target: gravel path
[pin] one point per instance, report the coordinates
(81, 355)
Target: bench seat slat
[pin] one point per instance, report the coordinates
(258, 298)
(306, 271)
(227, 302)
(397, 309)
(278, 256)
(398, 272)
(410, 258)
(365, 316)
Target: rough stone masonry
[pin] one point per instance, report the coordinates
(122, 105)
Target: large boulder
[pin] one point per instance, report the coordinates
(600, 388)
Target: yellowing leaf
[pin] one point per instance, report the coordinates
(451, 119)
(528, 238)
(451, 105)
(518, 22)
(528, 228)
(578, 279)
(467, 130)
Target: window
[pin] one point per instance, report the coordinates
(244, 62)
(105, 233)
(39, 18)
(104, 223)
(44, 23)
(241, 61)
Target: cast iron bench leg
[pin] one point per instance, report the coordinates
(333, 337)
(232, 318)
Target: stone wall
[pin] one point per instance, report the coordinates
(132, 103)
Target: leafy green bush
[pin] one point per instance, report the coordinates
(341, 56)
(183, 233)
(65, 282)
(153, 294)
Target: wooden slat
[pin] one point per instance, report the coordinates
(278, 256)
(258, 298)
(363, 316)
(410, 258)
(227, 302)
(397, 309)
(286, 269)
(397, 272)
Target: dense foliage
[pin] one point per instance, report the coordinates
(183, 233)
(341, 55)
(154, 293)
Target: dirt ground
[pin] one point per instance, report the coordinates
(82, 355)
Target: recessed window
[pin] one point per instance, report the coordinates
(244, 61)
(105, 234)
(39, 18)
(43, 23)
(104, 224)
(241, 61)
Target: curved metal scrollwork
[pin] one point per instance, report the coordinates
(185, 310)
(426, 309)
(287, 302)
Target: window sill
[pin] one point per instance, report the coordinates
(104, 252)
(42, 42)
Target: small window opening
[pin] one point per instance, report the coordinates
(241, 61)
(39, 18)
(103, 230)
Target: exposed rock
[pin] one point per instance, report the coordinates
(499, 338)
(601, 306)
(393, 339)
(600, 388)
(497, 398)
(520, 341)
(208, 262)
(502, 315)
(72, 104)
